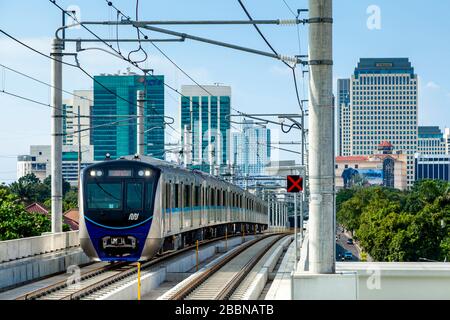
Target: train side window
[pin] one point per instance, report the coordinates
(224, 197)
(187, 196)
(177, 196)
(168, 196)
(196, 196)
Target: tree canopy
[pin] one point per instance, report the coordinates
(392, 225)
(16, 222)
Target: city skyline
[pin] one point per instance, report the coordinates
(387, 41)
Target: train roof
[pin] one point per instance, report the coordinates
(177, 170)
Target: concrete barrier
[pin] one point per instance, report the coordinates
(129, 291)
(20, 271)
(27, 247)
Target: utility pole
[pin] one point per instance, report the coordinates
(295, 229)
(57, 136)
(321, 157)
(140, 122)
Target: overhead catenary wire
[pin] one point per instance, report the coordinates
(274, 51)
(44, 83)
(32, 100)
(167, 57)
(134, 63)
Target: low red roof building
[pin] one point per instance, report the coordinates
(72, 217)
(37, 208)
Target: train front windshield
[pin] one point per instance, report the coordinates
(116, 200)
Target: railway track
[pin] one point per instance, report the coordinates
(221, 280)
(97, 280)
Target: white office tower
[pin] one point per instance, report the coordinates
(384, 107)
(84, 100)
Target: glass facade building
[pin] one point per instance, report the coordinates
(435, 167)
(120, 139)
(251, 149)
(204, 121)
(383, 107)
(431, 141)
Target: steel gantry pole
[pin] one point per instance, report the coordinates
(268, 210)
(321, 139)
(140, 123)
(295, 227)
(57, 136)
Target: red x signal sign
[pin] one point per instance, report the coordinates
(294, 184)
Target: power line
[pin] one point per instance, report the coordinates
(274, 51)
(44, 83)
(166, 56)
(134, 63)
(289, 8)
(31, 100)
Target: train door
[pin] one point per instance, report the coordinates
(202, 204)
(168, 207)
(178, 206)
(187, 197)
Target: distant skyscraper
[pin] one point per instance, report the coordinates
(119, 139)
(343, 116)
(84, 100)
(204, 118)
(251, 149)
(384, 108)
(431, 141)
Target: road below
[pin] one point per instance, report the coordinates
(342, 246)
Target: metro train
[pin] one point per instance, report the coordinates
(136, 207)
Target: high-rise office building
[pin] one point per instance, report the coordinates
(343, 117)
(431, 141)
(251, 149)
(384, 107)
(84, 100)
(119, 106)
(205, 123)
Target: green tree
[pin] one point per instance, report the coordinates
(16, 222)
(48, 182)
(392, 225)
(25, 188)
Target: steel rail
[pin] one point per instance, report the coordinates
(60, 285)
(190, 287)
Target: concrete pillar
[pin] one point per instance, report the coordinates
(140, 123)
(276, 214)
(57, 136)
(321, 139)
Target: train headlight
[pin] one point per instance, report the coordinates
(147, 173)
(92, 173)
(141, 173)
(99, 173)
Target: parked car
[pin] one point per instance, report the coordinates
(350, 241)
(348, 255)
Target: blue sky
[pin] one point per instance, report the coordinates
(259, 84)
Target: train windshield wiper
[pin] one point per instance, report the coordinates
(109, 194)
